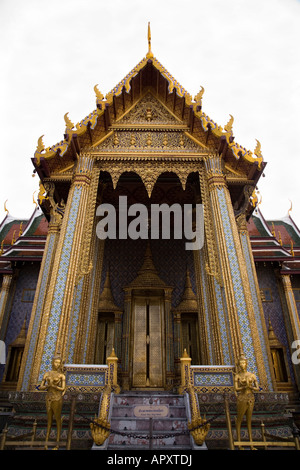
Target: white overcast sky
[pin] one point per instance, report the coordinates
(245, 53)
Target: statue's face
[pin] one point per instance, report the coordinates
(243, 364)
(56, 364)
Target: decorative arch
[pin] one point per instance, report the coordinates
(149, 169)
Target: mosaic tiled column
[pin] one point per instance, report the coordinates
(237, 295)
(258, 325)
(85, 280)
(293, 323)
(4, 296)
(89, 327)
(38, 304)
(62, 291)
(214, 339)
(216, 347)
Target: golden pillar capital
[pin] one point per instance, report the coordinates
(4, 295)
(286, 282)
(241, 223)
(112, 362)
(56, 216)
(6, 282)
(185, 362)
(293, 316)
(83, 170)
(214, 170)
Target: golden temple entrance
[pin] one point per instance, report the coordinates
(148, 343)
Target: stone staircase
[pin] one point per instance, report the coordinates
(131, 425)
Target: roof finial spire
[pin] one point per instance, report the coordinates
(5, 208)
(149, 54)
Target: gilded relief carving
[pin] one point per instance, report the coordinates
(149, 111)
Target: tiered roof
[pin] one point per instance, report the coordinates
(22, 239)
(275, 240)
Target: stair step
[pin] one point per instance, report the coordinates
(132, 432)
(141, 424)
(128, 412)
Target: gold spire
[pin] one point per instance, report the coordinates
(5, 208)
(273, 230)
(33, 200)
(149, 54)
(13, 238)
(257, 150)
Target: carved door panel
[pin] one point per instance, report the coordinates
(189, 336)
(105, 338)
(147, 358)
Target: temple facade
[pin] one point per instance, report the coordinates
(149, 297)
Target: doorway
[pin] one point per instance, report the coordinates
(148, 342)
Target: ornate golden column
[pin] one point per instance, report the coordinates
(91, 309)
(233, 279)
(214, 320)
(4, 295)
(59, 302)
(256, 313)
(33, 334)
(293, 330)
(85, 286)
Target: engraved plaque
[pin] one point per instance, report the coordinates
(151, 411)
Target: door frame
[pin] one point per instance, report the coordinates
(148, 295)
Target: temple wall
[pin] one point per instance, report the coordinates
(124, 258)
(21, 308)
(21, 304)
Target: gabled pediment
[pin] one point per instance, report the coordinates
(149, 111)
(150, 127)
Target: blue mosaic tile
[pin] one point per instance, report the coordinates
(37, 317)
(240, 300)
(213, 379)
(57, 302)
(74, 321)
(245, 246)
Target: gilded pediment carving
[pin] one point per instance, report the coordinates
(148, 141)
(149, 127)
(148, 111)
